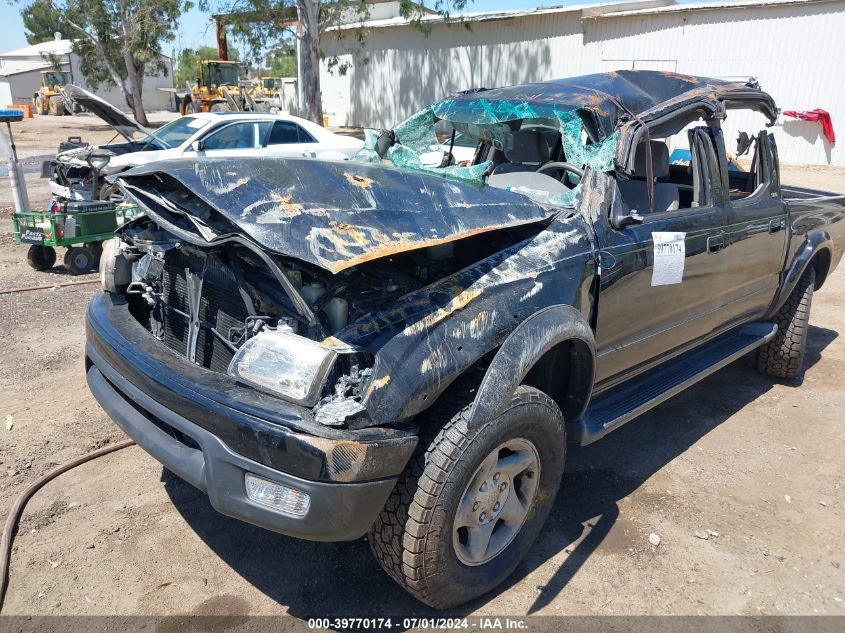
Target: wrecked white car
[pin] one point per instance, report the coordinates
(80, 173)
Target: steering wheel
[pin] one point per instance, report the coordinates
(560, 165)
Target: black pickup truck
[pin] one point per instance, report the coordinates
(398, 347)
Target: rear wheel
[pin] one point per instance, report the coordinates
(220, 106)
(472, 501)
(41, 257)
(79, 260)
(191, 107)
(39, 105)
(783, 357)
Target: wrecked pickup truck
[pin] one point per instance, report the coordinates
(330, 349)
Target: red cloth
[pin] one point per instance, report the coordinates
(819, 115)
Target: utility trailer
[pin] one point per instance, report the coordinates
(81, 227)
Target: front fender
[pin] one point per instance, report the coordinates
(522, 349)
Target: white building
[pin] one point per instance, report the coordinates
(20, 76)
(793, 47)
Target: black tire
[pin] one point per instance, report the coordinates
(79, 260)
(784, 356)
(414, 539)
(219, 106)
(191, 107)
(41, 257)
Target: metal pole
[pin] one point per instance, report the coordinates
(16, 177)
(300, 104)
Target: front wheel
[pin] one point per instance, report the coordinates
(472, 501)
(40, 257)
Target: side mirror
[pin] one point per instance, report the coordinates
(621, 216)
(622, 220)
(198, 145)
(743, 143)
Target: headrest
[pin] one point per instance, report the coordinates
(659, 160)
(529, 146)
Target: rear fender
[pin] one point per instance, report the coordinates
(817, 244)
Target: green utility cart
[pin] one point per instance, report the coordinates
(80, 226)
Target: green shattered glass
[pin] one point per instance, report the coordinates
(570, 132)
(568, 199)
(417, 132)
(485, 112)
(406, 158)
(368, 154)
(600, 156)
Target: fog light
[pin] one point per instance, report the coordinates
(286, 500)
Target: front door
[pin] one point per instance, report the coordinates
(662, 281)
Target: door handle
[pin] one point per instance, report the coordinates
(715, 243)
(776, 225)
(309, 154)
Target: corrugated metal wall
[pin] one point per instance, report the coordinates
(796, 52)
(399, 70)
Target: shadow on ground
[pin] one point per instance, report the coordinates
(325, 579)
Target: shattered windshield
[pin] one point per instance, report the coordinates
(537, 150)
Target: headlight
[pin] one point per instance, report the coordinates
(284, 364)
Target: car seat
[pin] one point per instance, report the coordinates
(529, 150)
(635, 191)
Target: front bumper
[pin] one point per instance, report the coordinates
(210, 431)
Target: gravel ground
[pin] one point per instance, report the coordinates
(741, 477)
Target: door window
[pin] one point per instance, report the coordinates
(750, 163)
(287, 132)
(240, 135)
(684, 170)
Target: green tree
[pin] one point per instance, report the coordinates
(118, 41)
(41, 21)
(263, 24)
(188, 59)
(282, 61)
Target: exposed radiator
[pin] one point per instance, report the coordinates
(221, 309)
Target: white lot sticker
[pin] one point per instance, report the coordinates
(669, 252)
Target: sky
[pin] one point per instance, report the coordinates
(197, 29)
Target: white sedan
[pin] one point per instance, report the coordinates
(76, 173)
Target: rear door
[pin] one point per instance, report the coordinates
(662, 280)
(757, 234)
(287, 139)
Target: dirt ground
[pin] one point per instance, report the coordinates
(741, 477)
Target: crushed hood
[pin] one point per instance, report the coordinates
(333, 214)
(117, 119)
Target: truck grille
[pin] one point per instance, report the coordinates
(221, 309)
